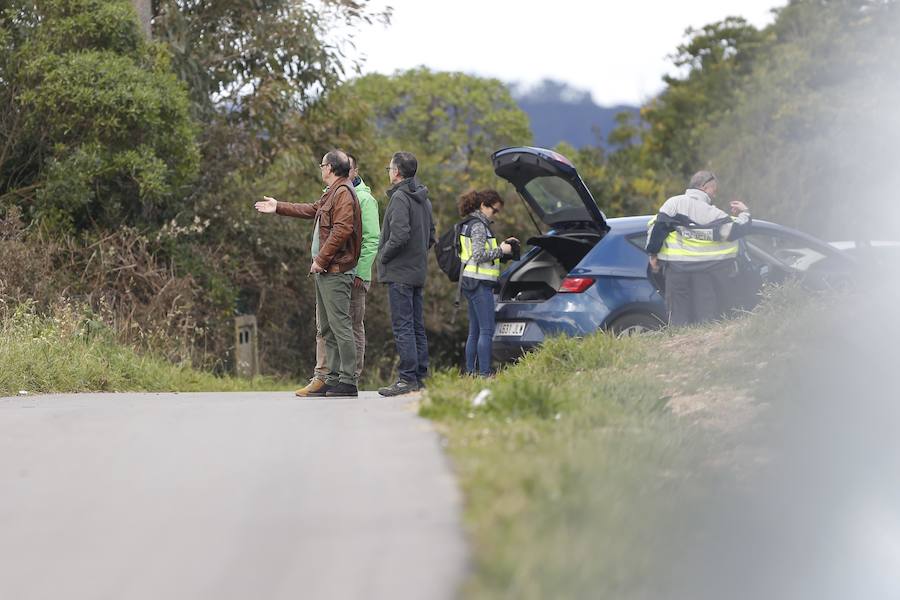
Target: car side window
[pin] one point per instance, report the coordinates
(793, 252)
(639, 240)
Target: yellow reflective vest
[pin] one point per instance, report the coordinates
(695, 244)
(487, 271)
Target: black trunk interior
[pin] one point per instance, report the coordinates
(539, 278)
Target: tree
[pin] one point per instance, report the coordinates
(144, 10)
(452, 122)
(252, 66)
(811, 139)
(98, 131)
(715, 59)
(652, 156)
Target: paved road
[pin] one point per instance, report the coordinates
(249, 496)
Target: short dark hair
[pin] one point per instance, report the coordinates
(353, 162)
(339, 163)
(406, 164)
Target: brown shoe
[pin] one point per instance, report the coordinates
(314, 386)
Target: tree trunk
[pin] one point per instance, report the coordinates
(144, 10)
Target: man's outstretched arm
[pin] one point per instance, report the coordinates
(270, 205)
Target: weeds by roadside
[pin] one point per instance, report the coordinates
(562, 467)
(583, 469)
(71, 349)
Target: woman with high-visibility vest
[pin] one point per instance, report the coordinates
(480, 258)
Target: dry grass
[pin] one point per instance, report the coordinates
(119, 275)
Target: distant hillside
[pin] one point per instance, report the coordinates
(561, 113)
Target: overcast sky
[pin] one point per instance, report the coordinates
(616, 50)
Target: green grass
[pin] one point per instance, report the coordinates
(563, 468)
(70, 351)
(578, 479)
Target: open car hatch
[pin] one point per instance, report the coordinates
(550, 185)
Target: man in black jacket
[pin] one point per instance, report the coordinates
(406, 235)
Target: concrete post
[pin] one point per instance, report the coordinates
(246, 347)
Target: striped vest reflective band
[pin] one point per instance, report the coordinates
(698, 243)
(488, 271)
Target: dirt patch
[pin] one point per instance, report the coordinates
(694, 354)
(720, 408)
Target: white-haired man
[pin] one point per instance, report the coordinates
(694, 243)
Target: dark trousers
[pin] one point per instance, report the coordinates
(700, 294)
(408, 324)
(481, 327)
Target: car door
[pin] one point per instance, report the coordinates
(774, 254)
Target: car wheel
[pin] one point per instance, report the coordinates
(635, 324)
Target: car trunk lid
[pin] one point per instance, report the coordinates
(551, 186)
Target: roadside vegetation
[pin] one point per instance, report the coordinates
(129, 162)
(584, 467)
(71, 349)
(136, 202)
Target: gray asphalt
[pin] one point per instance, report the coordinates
(249, 496)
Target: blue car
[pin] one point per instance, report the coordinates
(589, 273)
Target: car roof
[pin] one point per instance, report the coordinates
(624, 226)
(850, 245)
(627, 225)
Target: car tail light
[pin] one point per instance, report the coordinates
(575, 285)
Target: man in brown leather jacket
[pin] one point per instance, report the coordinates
(337, 239)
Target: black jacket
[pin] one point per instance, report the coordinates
(406, 235)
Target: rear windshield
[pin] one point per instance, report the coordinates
(554, 194)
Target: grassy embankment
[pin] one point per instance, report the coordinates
(71, 352)
(579, 470)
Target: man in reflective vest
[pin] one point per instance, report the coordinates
(695, 244)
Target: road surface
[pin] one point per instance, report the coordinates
(249, 496)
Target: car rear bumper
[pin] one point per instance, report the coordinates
(564, 314)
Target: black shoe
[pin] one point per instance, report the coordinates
(342, 390)
(401, 387)
(322, 391)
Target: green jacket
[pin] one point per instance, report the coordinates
(371, 230)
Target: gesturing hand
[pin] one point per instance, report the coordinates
(266, 205)
(737, 207)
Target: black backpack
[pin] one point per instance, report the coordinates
(447, 251)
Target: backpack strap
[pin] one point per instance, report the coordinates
(462, 266)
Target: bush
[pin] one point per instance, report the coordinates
(122, 279)
(102, 132)
(71, 349)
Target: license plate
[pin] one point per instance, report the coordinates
(510, 329)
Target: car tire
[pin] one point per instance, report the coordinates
(635, 324)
